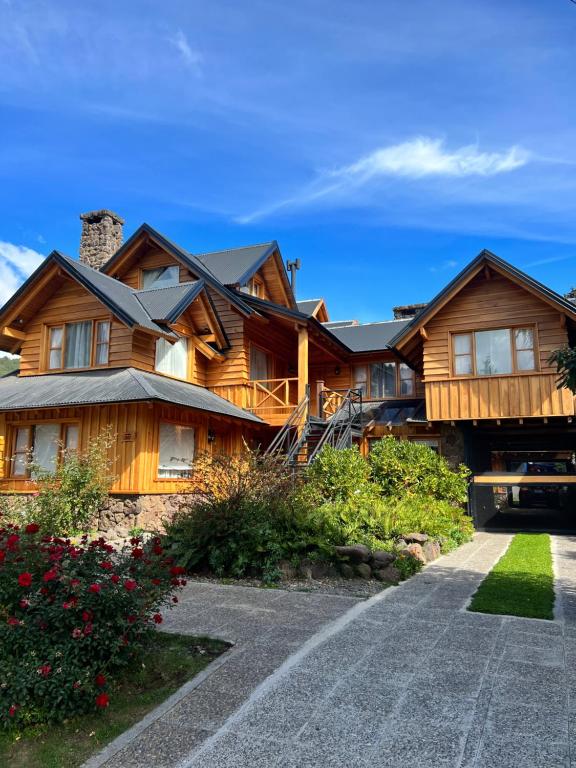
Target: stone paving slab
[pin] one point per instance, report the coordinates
(407, 678)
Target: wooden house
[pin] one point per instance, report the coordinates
(180, 353)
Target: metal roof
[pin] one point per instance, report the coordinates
(368, 337)
(110, 386)
(308, 306)
(236, 265)
(169, 302)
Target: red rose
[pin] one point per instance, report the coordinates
(32, 528)
(106, 565)
(157, 618)
(95, 588)
(25, 579)
(76, 685)
(157, 549)
(174, 599)
(12, 710)
(115, 578)
(13, 621)
(86, 615)
(100, 681)
(2, 555)
(137, 553)
(156, 582)
(130, 585)
(177, 570)
(12, 541)
(102, 700)
(74, 582)
(24, 603)
(87, 629)
(131, 619)
(50, 575)
(44, 670)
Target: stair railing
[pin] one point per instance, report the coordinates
(340, 427)
(291, 436)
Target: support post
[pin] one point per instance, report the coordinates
(302, 362)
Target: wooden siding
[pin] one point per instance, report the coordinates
(134, 454)
(485, 303)
(151, 259)
(71, 303)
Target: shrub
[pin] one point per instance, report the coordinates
(439, 519)
(401, 467)
(70, 615)
(69, 498)
(339, 476)
(244, 517)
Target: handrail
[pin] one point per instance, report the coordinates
(272, 397)
(288, 439)
(338, 433)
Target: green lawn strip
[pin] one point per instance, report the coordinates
(522, 582)
(169, 663)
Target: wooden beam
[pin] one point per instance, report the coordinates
(13, 333)
(424, 333)
(562, 321)
(487, 273)
(302, 362)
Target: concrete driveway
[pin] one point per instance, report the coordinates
(407, 678)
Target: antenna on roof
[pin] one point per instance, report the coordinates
(293, 267)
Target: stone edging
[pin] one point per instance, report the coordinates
(125, 738)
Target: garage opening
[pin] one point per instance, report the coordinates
(526, 490)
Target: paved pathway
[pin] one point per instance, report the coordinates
(407, 678)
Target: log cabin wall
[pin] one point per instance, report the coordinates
(490, 302)
(134, 453)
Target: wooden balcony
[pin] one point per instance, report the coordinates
(273, 400)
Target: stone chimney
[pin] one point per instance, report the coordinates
(101, 237)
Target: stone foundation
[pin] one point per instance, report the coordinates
(149, 512)
(453, 448)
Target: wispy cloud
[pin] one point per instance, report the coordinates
(17, 262)
(413, 160)
(191, 57)
(448, 264)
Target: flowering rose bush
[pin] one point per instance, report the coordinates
(70, 615)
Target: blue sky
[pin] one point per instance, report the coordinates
(382, 142)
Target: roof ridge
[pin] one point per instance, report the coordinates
(136, 375)
(77, 263)
(166, 287)
(237, 248)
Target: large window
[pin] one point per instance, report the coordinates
(40, 445)
(386, 379)
(161, 277)
(71, 345)
(493, 352)
(172, 358)
(176, 451)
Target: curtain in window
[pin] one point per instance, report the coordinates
(176, 450)
(72, 435)
(383, 380)
(102, 342)
(56, 335)
(161, 277)
(21, 458)
(259, 364)
(172, 359)
(78, 345)
(46, 443)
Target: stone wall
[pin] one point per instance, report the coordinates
(149, 512)
(453, 448)
(101, 237)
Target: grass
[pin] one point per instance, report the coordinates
(170, 662)
(522, 582)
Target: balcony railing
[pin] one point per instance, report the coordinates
(273, 400)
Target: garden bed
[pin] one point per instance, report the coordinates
(170, 661)
(522, 582)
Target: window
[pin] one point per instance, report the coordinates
(260, 364)
(41, 444)
(176, 451)
(493, 352)
(161, 277)
(172, 358)
(70, 345)
(431, 442)
(406, 377)
(381, 380)
(102, 342)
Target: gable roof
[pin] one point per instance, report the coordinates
(368, 337)
(484, 258)
(186, 258)
(168, 303)
(110, 386)
(235, 266)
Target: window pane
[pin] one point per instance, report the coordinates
(259, 364)
(525, 360)
(493, 352)
(161, 277)
(22, 439)
(172, 359)
(406, 379)
(102, 342)
(462, 344)
(55, 360)
(21, 458)
(103, 331)
(78, 345)
(72, 435)
(176, 451)
(524, 338)
(20, 465)
(360, 373)
(46, 439)
(383, 380)
(463, 365)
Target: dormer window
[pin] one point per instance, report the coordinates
(70, 345)
(161, 277)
